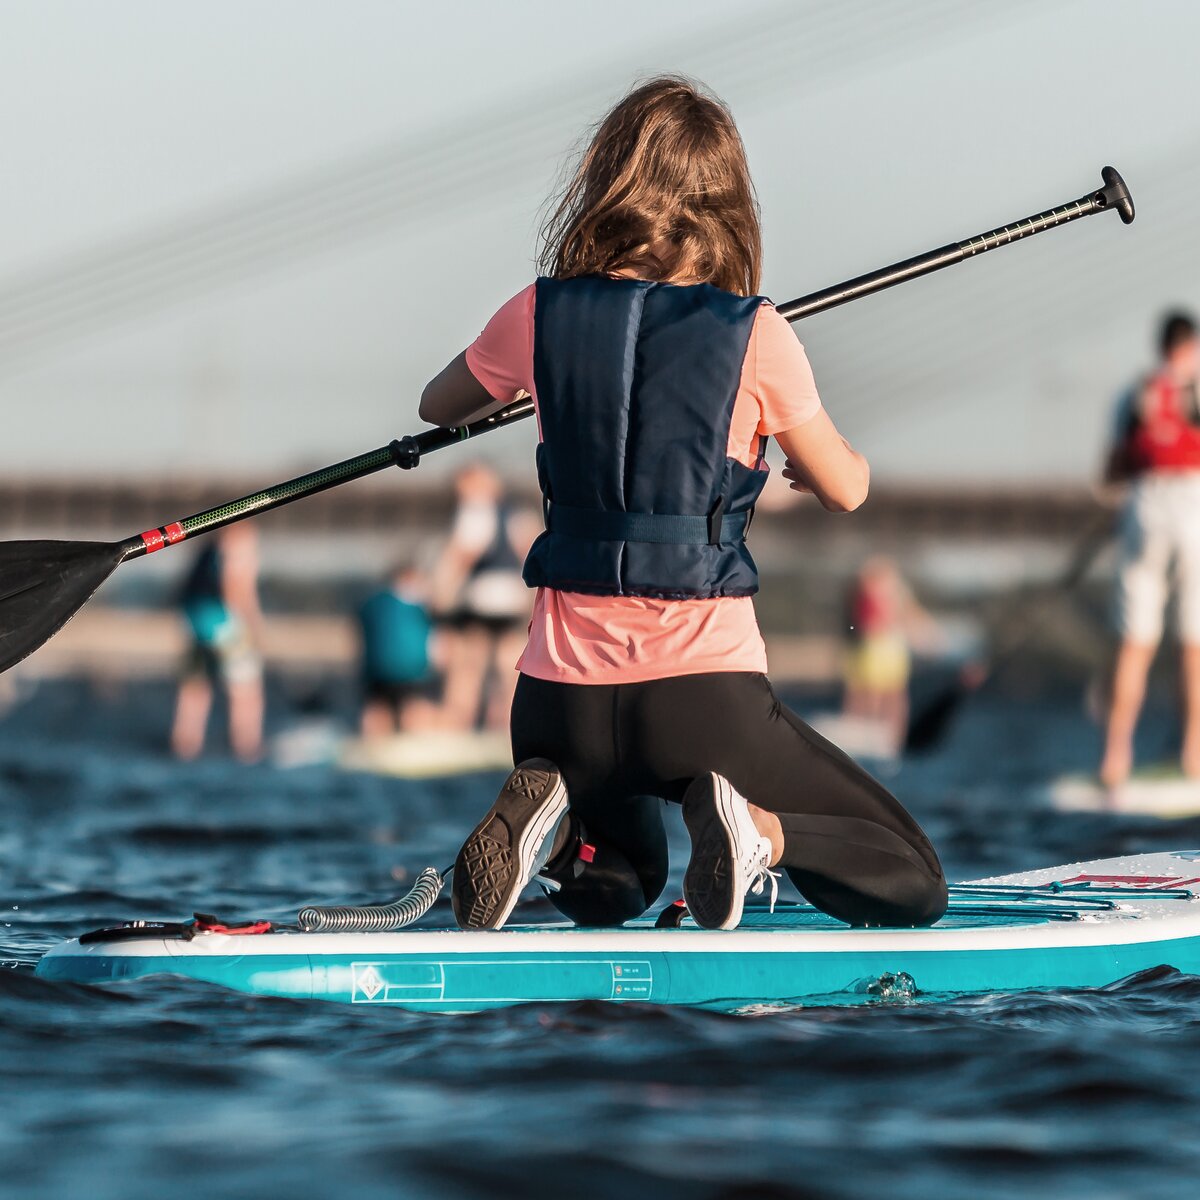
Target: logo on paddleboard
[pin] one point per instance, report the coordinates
(367, 983)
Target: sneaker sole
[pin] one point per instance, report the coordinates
(713, 899)
(500, 857)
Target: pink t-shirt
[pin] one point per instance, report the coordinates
(576, 638)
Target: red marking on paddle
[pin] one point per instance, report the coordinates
(1133, 881)
(174, 533)
(587, 853)
(152, 539)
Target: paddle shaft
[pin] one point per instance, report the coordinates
(407, 452)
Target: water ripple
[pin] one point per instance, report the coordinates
(174, 1087)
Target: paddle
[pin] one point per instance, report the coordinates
(43, 584)
(928, 726)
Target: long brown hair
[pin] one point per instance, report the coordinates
(663, 190)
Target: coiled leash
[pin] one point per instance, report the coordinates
(377, 918)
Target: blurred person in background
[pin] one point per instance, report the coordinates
(1156, 450)
(220, 603)
(396, 632)
(483, 601)
(885, 619)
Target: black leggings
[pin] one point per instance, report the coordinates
(849, 846)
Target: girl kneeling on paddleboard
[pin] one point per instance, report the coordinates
(658, 376)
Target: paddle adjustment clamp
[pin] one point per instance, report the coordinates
(406, 452)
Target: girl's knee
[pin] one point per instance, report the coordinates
(915, 901)
(912, 899)
(594, 907)
(929, 902)
(918, 901)
(605, 888)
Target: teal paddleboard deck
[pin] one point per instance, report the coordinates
(1083, 925)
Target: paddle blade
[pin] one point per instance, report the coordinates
(43, 585)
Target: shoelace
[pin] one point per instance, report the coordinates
(762, 873)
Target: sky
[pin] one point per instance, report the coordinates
(236, 240)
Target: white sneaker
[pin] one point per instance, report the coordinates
(509, 846)
(729, 855)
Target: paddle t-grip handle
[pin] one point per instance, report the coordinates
(1115, 194)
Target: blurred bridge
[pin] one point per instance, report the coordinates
(394, 505)
(959, 547)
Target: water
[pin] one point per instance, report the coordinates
(173, 1088)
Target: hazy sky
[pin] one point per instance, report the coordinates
(237, 239)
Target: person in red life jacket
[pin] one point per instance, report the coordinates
(1156, 450)
(659, 375)
(885, 619)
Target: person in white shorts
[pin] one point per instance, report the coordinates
(1157, 450)
(482, 601)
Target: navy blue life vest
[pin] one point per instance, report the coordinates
(636, 383)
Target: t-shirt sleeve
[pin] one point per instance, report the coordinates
(501, 357)
(784, 384)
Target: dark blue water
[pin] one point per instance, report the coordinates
(178, 1089)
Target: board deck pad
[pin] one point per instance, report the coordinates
(1080, 925)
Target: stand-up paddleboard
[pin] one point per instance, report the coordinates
(860, 737)
(429, 754)
(426, 755)
(1158, 791)
(1083, 925)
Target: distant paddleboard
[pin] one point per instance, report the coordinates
(1158, 791)
(427, 755)
(859, 737)
(308, 744)
(402, 755)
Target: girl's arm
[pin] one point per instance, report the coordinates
(455, 397)
(821, 461)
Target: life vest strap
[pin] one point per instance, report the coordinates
(665, 529)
